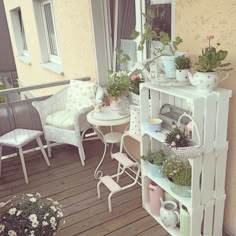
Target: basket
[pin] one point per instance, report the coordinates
(193, 151)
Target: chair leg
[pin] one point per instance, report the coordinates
(109, 202)
(118, 171)
(49, 148)
(0, 160)
(23, 165)
(98, 189)
(81, 153)
(38, 139)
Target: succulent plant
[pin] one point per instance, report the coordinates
(182, 63)
(178, 172)
(156, 158)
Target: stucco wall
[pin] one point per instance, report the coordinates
(7, 62)
(75, 39)
(195, 20)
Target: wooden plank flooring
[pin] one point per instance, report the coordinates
(75, 188)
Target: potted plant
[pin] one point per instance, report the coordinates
(31, 216)
(209, 63)
(154, 161)
(167, 52)
(118, 85)
(179, 175)
(182, 65)
(134, 82)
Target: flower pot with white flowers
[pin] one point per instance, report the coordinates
(30, 216)
(210, 64)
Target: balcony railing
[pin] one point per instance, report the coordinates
(20, 113)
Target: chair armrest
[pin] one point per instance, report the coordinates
(80, 119)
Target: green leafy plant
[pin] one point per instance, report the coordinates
(182, 63)
(178, 172)
(212, 59)
(156, 158)
(149, 35)
(31, 216)
(177, 138)
(118, 83)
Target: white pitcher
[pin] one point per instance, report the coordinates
(169, 213)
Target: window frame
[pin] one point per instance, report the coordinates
(17, 26)
(52, 58)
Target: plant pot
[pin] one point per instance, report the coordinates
(182, 75)
(206, 81)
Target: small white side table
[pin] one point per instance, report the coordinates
(107, 117)
(18, 138)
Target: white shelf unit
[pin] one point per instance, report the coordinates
(210, 112)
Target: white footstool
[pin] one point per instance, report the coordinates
(18, 138)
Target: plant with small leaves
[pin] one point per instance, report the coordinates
(211, 59)
(122, 57)
(178, 172)
(156, 158)
(182, 63)
(177, 138)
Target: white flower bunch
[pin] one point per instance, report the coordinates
(31, 216)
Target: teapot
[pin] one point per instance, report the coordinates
(206, 81)
(169, 214)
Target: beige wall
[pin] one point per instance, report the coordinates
(74, 30)
(195, 20)
(7, 62)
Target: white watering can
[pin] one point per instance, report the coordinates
(206, 81)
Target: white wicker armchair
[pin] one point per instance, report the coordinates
(73, 131)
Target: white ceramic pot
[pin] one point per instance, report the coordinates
(206, 81)
(182, 75)
(169, 214)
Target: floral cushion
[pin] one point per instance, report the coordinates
(80, 94)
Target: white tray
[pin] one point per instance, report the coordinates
(108, 114)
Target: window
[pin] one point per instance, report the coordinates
(46, 28)
(19, 31)
(50, 32)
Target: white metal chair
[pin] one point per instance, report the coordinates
(124, 162)
(64, 115)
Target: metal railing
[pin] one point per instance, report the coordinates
(20, 113)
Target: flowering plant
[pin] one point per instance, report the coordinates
(211, 59)
(118, 83)
(134, 82)
(177, 138)
(31, 216)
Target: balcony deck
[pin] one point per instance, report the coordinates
(75, 188)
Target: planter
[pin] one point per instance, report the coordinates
(206, 81)
(182, 75)
(135, 98)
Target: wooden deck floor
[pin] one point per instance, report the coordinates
(75, 188)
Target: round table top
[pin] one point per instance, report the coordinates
(107, 117)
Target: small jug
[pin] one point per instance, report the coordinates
(169, 213)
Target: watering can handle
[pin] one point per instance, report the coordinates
(226, 76)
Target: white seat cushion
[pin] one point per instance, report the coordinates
(80, 94)
(61, 119)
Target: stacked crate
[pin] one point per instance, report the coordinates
(210, 112)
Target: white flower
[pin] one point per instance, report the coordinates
(18, 213)
(59, 214)
(38, 195)
(35, 223)
(49, 199)
(2, 227)
(33, 199)
(29, 195)
(12, 211)
(32, 233)
(44, 223)
(56, 203)
(45, 216)
(53, 208)
(52, 220)
(33, 217)
(12, 233)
